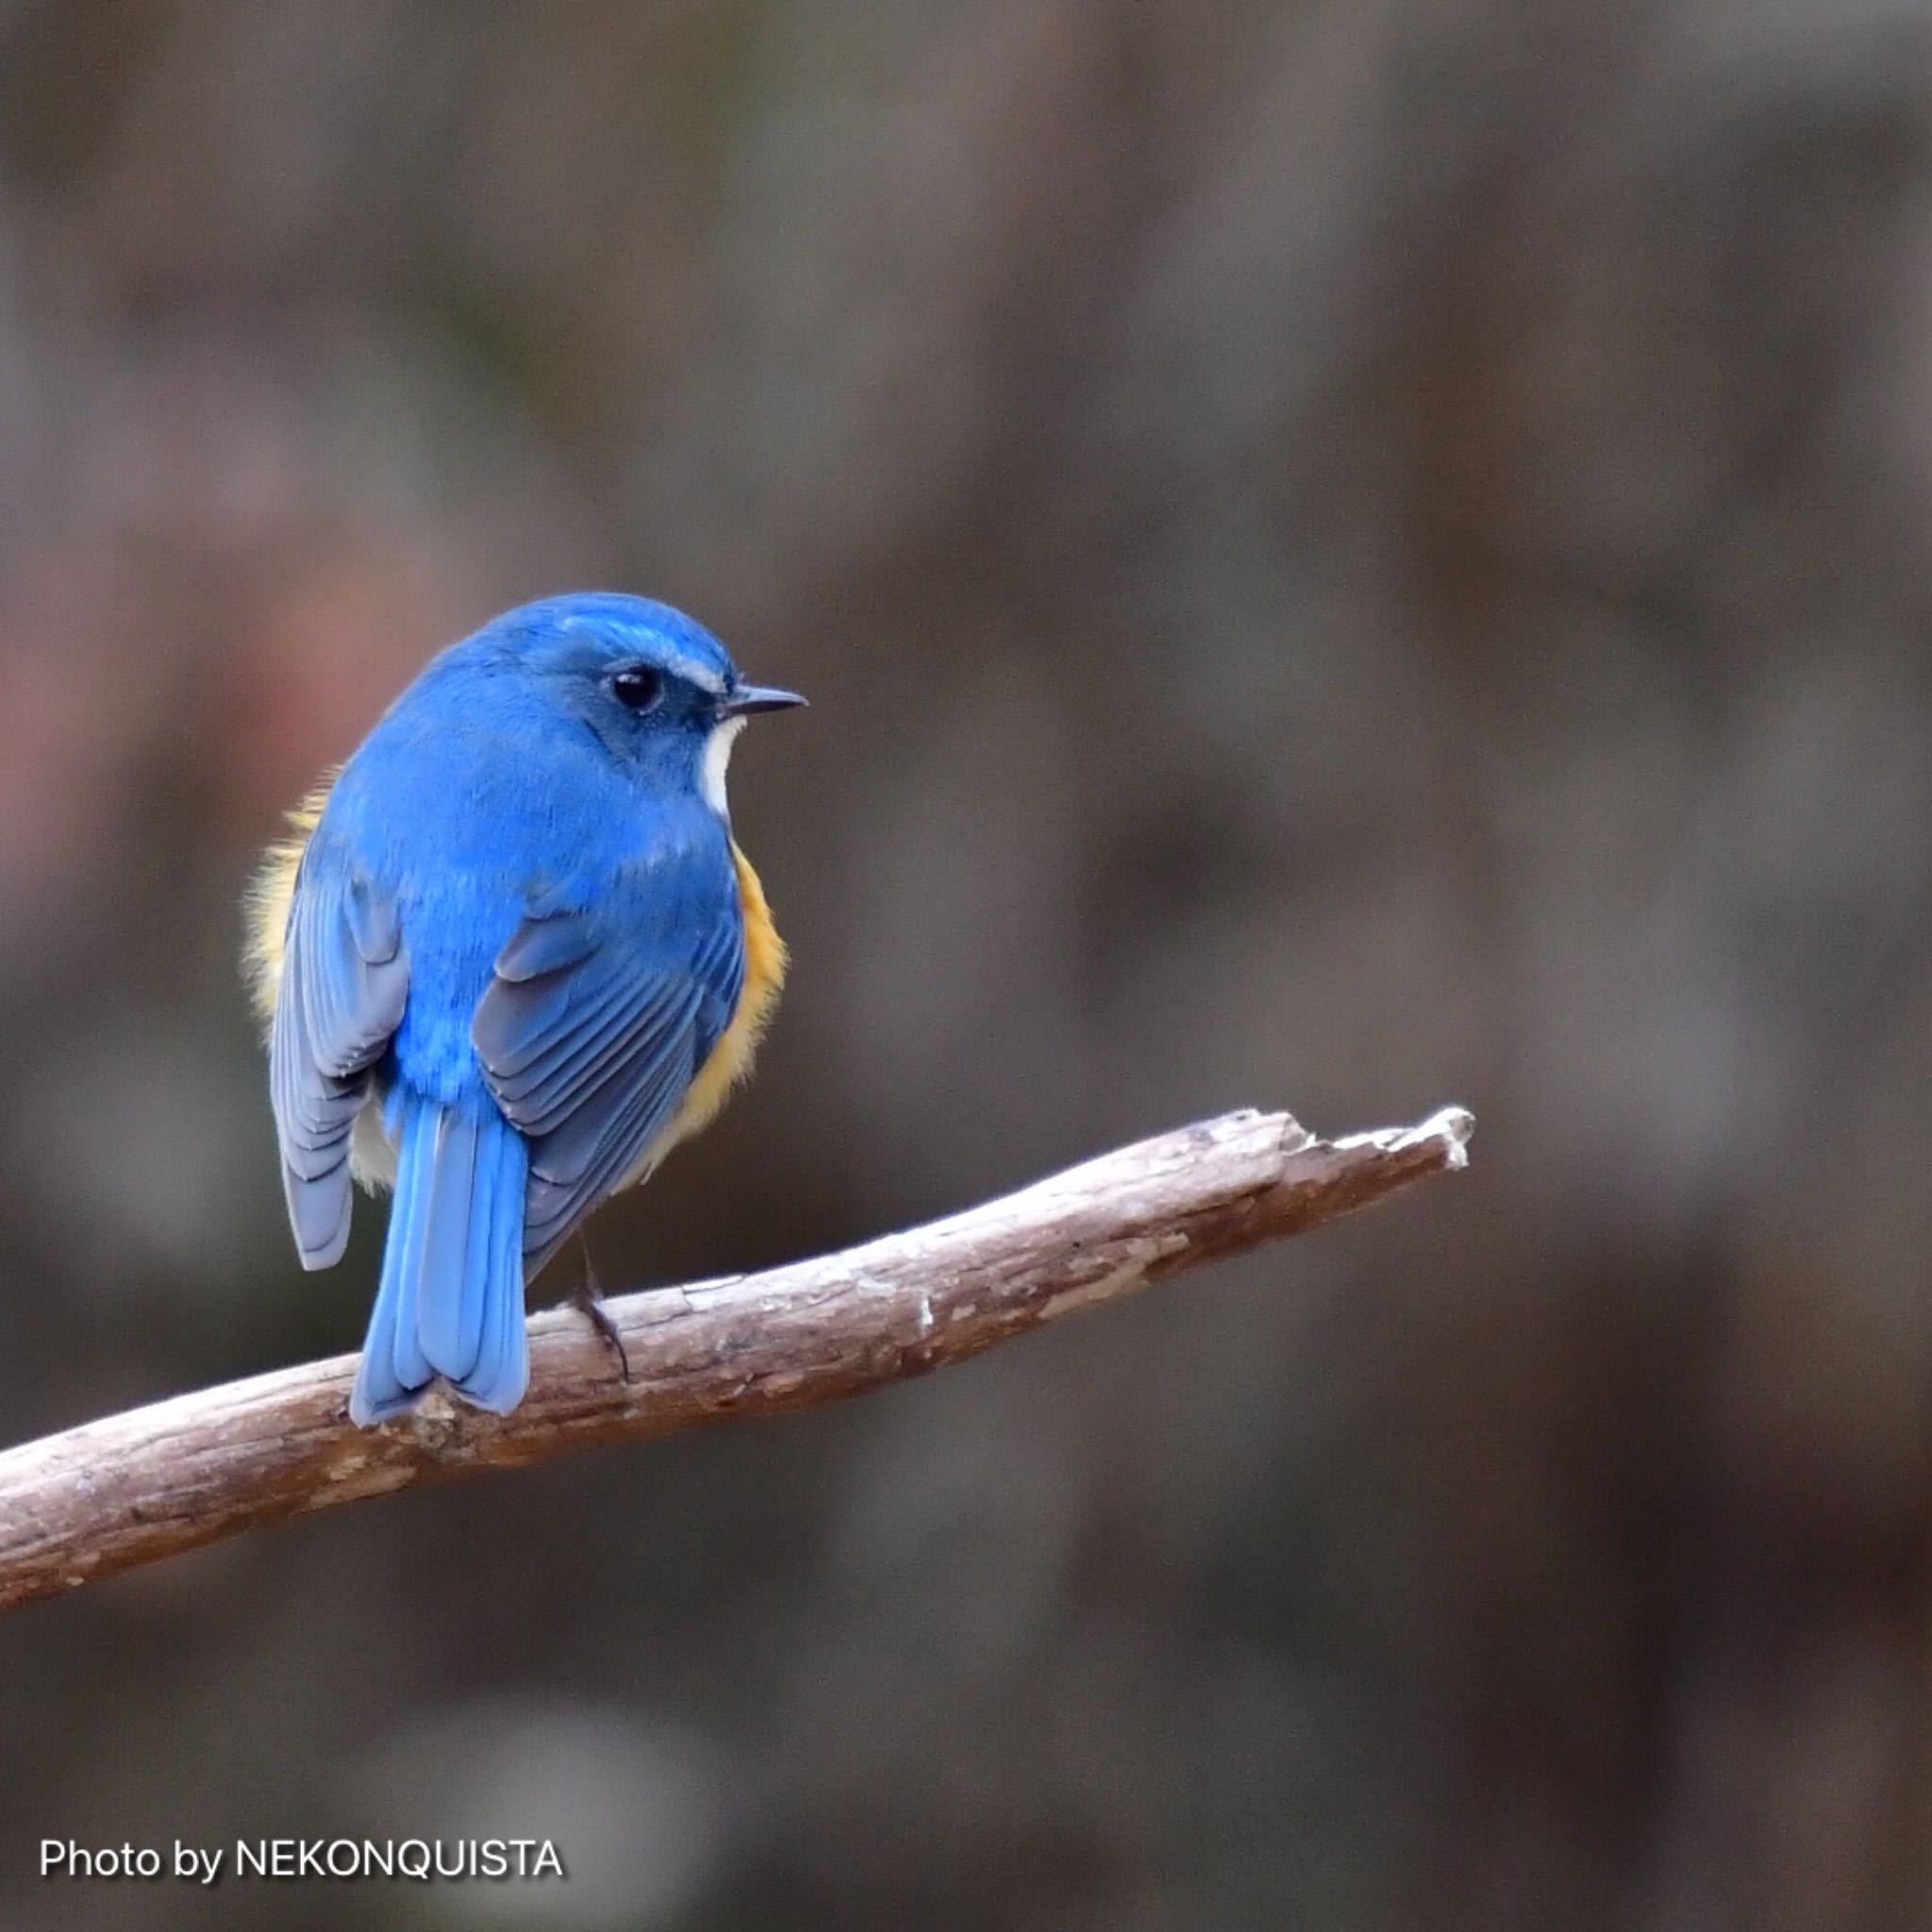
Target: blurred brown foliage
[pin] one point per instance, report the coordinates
(1346, 556)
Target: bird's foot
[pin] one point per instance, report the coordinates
(585, 1298)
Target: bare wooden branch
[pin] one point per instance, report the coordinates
(134, 1487)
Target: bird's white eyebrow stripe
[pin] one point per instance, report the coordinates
(700, 675)
(679, 666)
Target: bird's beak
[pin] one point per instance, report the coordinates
(748, 698)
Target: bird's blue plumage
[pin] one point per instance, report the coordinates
(451, 1298)
(517, 931)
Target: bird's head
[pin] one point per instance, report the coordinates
(657, 689)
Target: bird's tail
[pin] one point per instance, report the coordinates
(451, 1300)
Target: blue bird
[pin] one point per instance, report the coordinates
(510, 958)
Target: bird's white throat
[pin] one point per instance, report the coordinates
(716, 760)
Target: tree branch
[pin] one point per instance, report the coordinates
(134, 1487)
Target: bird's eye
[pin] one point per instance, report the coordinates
(637, 688)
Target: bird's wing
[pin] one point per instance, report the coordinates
(595, 1025)
(344, 981)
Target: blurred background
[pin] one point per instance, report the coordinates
(1346, 556)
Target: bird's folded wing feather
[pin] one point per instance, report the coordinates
(344, 981)
(592, 1032)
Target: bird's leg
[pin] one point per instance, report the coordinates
(586, 1297)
